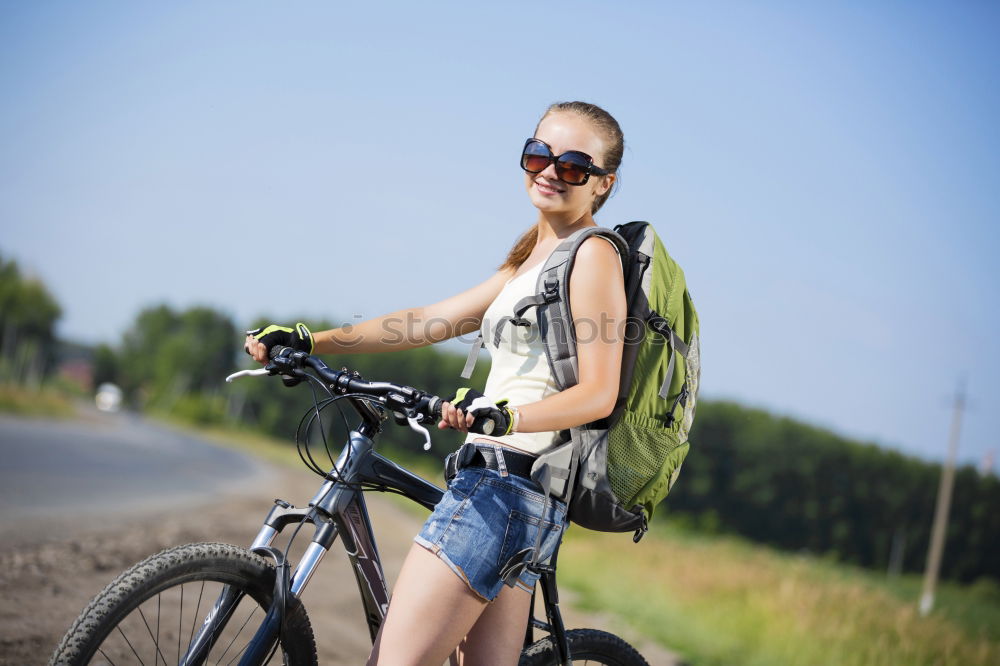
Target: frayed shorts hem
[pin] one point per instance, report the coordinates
(443, 556)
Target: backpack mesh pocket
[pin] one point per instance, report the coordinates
(643, 459)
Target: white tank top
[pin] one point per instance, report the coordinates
(520, 370)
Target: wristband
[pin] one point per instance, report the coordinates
(515, 418)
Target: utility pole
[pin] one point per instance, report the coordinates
(986, 466)
(940, 526)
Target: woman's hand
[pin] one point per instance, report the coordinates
(257, 350)
(454, 418)
(471, 411)
(259, 341)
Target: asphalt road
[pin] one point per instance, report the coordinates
(108, 464)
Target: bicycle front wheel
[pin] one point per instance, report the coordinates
(152, 612)
(586, 646)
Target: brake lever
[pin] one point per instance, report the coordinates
(247, 373)
(415, 425)
(280, 365)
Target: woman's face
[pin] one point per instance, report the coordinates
(562, 132)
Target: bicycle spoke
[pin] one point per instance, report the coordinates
(159, 608)
(240, 631)
(197, 612)
(103, 654)
(158, 655)
(274, 651)
(129, 643)
(244, 648)
(180, 617)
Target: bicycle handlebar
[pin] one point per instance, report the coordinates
(415, 404)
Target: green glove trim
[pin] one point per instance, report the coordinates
(305, 334)
(298, 338)
(273, 328)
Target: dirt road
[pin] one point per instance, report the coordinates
(47, 578)
(49, 570)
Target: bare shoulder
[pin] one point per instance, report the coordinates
(597, 255)
(597, 287)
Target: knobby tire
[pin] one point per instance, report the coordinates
(149, 613)
(586, 646)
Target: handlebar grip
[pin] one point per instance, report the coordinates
(435, 408)
(275, 351)
(485, 424)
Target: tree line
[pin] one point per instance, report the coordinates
(175, 361)
(803, 488)
(768, 478)
(28, 314)
(771, 479)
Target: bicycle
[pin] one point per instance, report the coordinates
(246, 601)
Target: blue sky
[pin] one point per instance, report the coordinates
(827, 175)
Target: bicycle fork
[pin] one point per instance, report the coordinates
(285, 585)
(337, 509)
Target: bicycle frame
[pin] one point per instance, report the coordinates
(339, 508)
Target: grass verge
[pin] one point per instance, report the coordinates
(720, 600)
(47, 402)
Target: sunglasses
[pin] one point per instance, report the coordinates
(572, 167)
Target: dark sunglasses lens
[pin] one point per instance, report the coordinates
(536, 157)
(572, 168)
(534, 163)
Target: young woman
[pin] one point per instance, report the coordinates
(456, 594)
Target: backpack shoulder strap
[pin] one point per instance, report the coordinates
(552, 300)
(470, 361)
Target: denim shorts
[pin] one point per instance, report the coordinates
(483, 520)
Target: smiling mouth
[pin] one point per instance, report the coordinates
(545, 188)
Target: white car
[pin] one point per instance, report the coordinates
(108, 398)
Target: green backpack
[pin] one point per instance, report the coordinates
(614, 472)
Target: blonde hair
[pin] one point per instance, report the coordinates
(611, 160)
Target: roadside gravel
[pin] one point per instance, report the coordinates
(50, 569)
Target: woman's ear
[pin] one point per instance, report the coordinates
(605, 185)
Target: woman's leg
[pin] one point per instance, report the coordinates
(431, 610)
(498, 635)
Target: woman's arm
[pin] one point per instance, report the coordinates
(414, 327)
(597, 303)
(404, 329)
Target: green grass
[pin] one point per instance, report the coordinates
(46, 401)
(721, 600)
